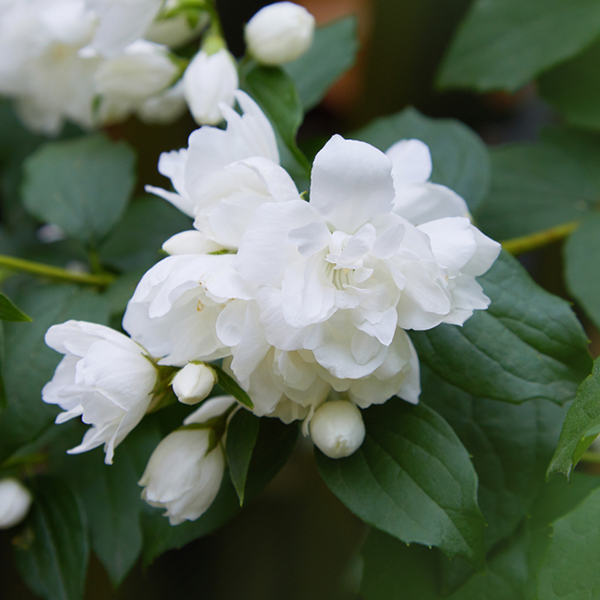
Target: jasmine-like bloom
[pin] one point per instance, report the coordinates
(337, 429)
(210, 81)
(193, 383)
(279, 33)
(184, 473)
(15, 501)
(224, 176)
(105, 378)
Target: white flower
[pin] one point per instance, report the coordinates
(225, 175)
(279, 33)
(193, 383)
(343, 276)
(119, 23)
(182, 475)
(15, 500)
(104, 377)
(337, 429)
(128, 80)
(175, 31)
(210, 81)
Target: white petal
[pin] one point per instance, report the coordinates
(411, 162)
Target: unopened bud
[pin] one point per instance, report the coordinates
(279, 33)
(15, 500)
(337, 429)
(193, 383)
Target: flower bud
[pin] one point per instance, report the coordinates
(279, 33)
(208, 81)
(337, 429)
(15, 500)
(193, 383)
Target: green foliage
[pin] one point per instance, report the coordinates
(332, 53)
(460, 159)
(581, 273)
(81, 185)
(231, 386)
(528, 344)
(581, 425)
(412, 478)
(9, 312)
(53, 550)
(30, 363)
(242, 433)
(534, 187)
(503, 44)
(393, 571)
(574, 88)
(275, 92)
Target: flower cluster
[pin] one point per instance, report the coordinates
(308, 303)
(95, 62)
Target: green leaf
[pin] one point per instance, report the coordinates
(332, 53)
(242, 433)
(460, 158)
(30, 363)
(582, 422)
(573, 88)
(534, 187)
(276, 94)
(231, 386)
(582, 145)
(503, 44)
(581, 273)
(159, 536)
(9, 312)
(393, 571)
(528, 344)
(510, 446)
(135, 241)
(81, 185)
(53, 551)
(570, 568)
(412, 478)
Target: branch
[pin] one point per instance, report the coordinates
(533, 241)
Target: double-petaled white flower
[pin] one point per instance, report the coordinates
(184, 472)
(223, 177)
(105, 378)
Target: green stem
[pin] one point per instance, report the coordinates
(533, 241)
(56, 273)
(590, 457)
(215, 20)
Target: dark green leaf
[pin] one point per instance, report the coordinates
(460, 158)
(412, 478)
(528, 344)
(570, 568)
(332, 53)
(275, 92)
(136, 240)
(582, 145)
(274, 445)
(393, 571)
(30, 363)
(231, 386)
(574, 87)
(503, 44)
(81, 185)
(534, 187)
(9, 312)
(53, 551)
(581, 423)
(159, 536)
(510, 446)
(581, 273)
(242, 433)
